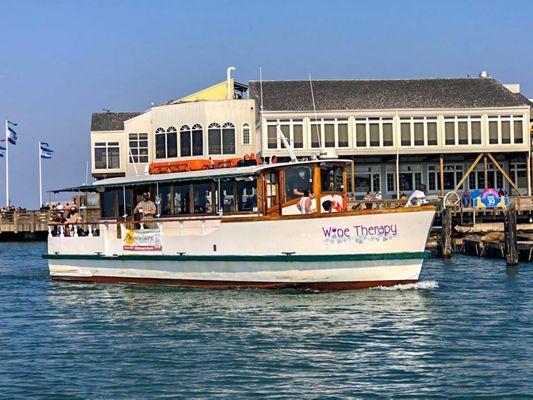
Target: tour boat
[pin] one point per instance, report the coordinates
(240, 227)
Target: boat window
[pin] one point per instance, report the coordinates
(182, 199)
(247, 194)
(107, 204)
(297, 179)
(226, 197)
(164, 200)
(128, 196)
(203, 198)
(331, 177)
(271, 184)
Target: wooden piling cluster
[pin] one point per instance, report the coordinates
(508, 240)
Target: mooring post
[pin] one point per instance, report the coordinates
(446, 216)
(509, 227)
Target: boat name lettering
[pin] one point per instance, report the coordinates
(360, 233)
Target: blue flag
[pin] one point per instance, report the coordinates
(12, 136)
(45, 151)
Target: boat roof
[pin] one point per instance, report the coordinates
(205, 174)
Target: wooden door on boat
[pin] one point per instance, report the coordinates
(271, 190)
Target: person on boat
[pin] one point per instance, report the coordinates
(305, 204)
(56, 222)
(418, 197)
(146, 208)
(73, 218)
(368, 198)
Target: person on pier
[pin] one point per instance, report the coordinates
(418, 197)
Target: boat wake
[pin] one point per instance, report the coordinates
(422, 285)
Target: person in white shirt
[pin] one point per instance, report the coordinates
(418, 197)
(305, 205)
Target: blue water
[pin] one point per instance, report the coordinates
(465, 330)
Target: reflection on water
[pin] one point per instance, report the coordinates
(459, 336)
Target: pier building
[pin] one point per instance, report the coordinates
(449, 134)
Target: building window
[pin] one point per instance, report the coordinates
(432, 133)
(360, 133)
(375, 132)
(293, 130)
(405, 129)
(519, 173)
(106, 155)
(518, 131)
(462, 130)
(477, 178)
(493, 132)
(228, 138)
(420, 131)
(329, 133)
(367, 179)
(297, 133)
(221, 140)
(449, 131)
(452, 174)
(191, 141)
(172, 142)
(185, 141)
(316, 134)
(476, 132)
(506, 129)
(214, 138)
(433, 178)
(391, 182)
(410, 179)
(160, 146)
(246, 135)
(138, 143)
(272, 137)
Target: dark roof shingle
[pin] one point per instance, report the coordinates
(111, 121)
(384, 94)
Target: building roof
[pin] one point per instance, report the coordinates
(204, 174)
(111, 121)
(384, 94)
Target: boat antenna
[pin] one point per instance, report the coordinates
(261, 86)
(316, 116)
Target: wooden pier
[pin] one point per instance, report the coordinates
(20, 225)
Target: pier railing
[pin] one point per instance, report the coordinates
(24, 221)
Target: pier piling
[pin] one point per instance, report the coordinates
(509, 227)
(446, 233)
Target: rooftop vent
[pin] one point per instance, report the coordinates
(483, 74)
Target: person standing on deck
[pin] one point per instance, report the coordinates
(146, 207)
(418, 197)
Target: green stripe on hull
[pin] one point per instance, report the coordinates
(269, 258)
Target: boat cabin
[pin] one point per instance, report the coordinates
(254, 190)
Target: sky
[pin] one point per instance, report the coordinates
(63, 60)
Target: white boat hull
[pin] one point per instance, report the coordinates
(334, 252)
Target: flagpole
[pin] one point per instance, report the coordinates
(40, 177)
(7, 167)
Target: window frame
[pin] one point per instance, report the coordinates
(106, 147)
